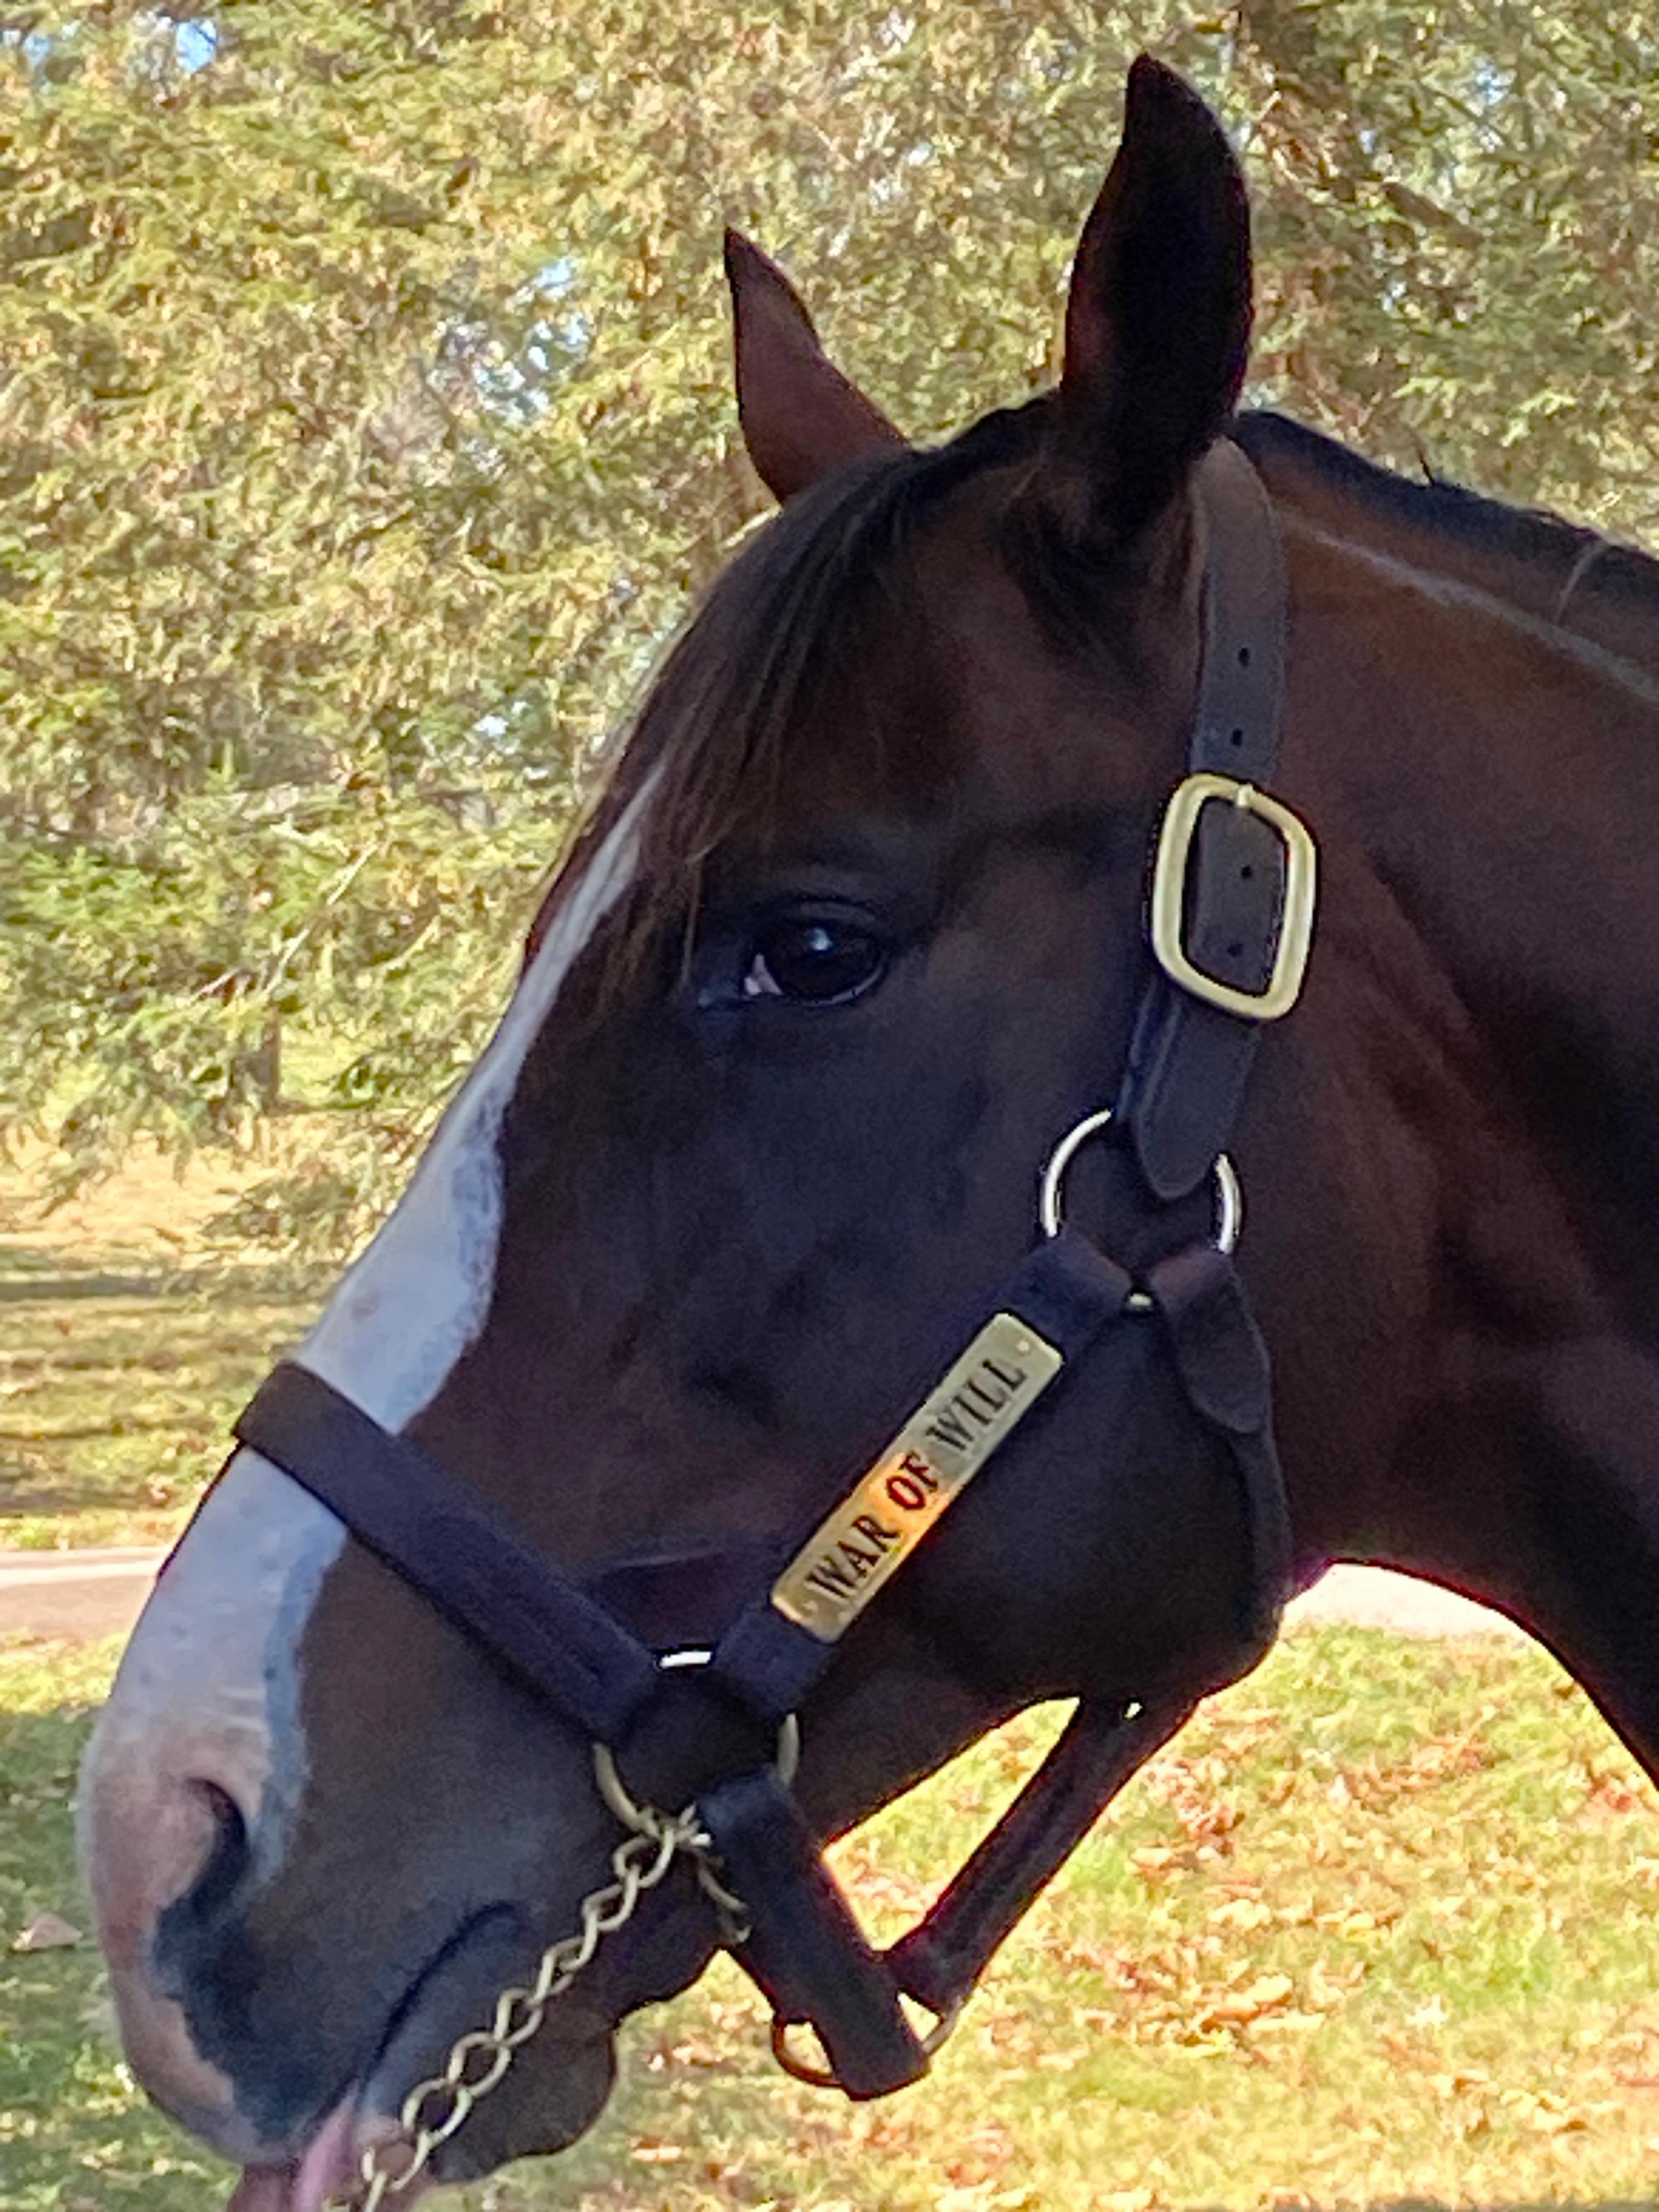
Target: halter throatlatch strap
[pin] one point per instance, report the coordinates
(1223, 1365)
(1232, 906)
(941, 1960)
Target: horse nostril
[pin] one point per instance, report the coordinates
(223, 1871)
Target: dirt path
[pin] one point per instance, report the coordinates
(77, 1596)
(74, 1597)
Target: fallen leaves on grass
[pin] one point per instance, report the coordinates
(1616, 1793)
(1151, 1859)
(1376, 1782)
(984, 2157)
(1544, 2114)
(1239, 2008)
(47, 1931)
(1354, 1924)
(687, 2051)
(1244, 1913)
(1191, 1992)
(657, 2154)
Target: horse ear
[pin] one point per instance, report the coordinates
(800, 415)
(1157, 320)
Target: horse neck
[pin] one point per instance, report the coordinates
(1502, 781)
(1569, 577)
(1487, 789)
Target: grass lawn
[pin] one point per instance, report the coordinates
(1382, 1928)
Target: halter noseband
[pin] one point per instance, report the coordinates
(1230, 921)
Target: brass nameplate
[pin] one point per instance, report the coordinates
(934, 1456)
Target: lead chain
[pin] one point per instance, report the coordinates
(438, 2107)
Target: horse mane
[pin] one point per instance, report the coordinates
(772, 638)
(1593, 566)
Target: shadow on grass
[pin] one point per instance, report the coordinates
(239, 1282)
(118, 1424)
(43, 1290)
(26, 1498)
(115, 1385)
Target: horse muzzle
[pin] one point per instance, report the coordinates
(300, 2130)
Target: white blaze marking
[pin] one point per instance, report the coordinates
(209, 1686)
(413, 1303)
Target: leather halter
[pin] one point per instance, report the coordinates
(1234, 886)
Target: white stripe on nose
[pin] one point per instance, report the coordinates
(418, 1295)
(208, 1697)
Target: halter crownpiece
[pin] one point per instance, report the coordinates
(1230, 927)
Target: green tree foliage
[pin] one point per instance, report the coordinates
(364, 426)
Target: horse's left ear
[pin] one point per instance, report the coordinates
(1158, 322)
(800, 416)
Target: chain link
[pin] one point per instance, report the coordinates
(439, 2108)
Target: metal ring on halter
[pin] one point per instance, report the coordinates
(825, 2077)
(1229, 1196)
(644, 1819)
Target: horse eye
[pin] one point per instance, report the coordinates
(823, 963)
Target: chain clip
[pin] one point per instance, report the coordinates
(438, 2107)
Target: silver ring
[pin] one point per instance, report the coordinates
(616, 1792)
(1229, 1195)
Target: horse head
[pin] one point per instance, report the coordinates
(854, 939)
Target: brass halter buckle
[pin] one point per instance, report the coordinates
(1175, 845)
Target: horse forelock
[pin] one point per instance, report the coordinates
(707, 752)
(793, 622)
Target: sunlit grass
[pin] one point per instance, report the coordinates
(1382, 1927)
(122, 1361)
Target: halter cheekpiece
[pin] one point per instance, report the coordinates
(1229, 924)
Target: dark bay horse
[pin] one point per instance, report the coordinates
(858, 935)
